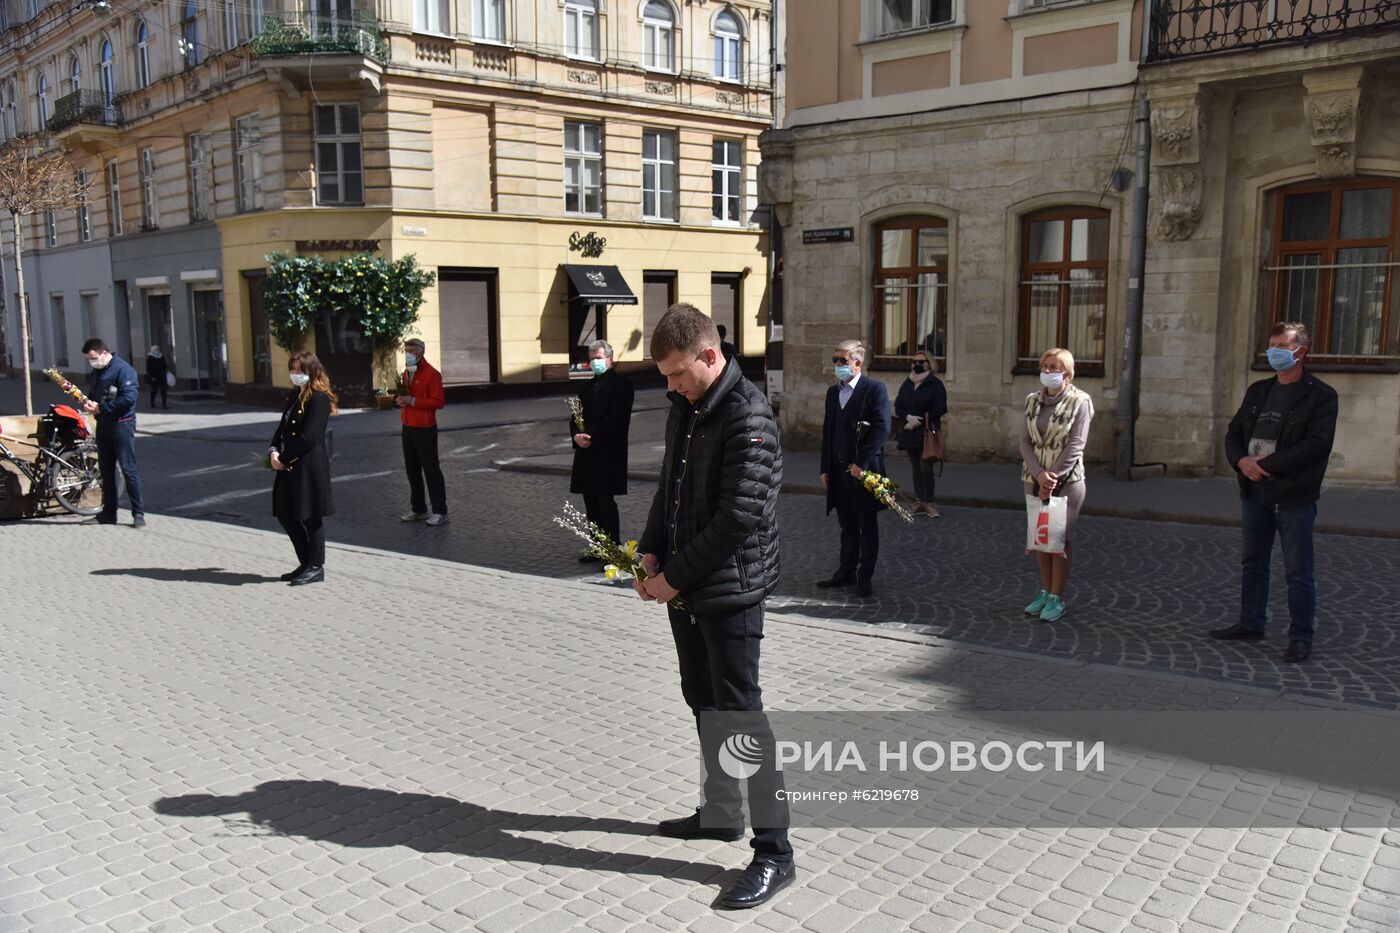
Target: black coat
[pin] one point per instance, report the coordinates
(929, 400)
(156, 368)
(870, 402)
(601, 468)
(303, 490)
(726, 543)
(1305, 437)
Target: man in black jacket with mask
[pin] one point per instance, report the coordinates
(1279, 442)
(712, 540)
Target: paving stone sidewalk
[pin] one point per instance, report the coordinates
(422, 745)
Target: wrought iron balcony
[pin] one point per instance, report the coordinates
(316, 32)
(83, 106)
(1180, 28)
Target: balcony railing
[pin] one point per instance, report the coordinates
(1181, 28)
(311, 33)
(83, 106)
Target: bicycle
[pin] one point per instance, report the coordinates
(65, 463)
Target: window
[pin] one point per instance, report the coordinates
(199, 177)
(10, 117)
(659, 36)
(1064, 287)
(339, 173)
(583, 168)
(255, 17)
(84, 213)
(430, 16)
(74, 81)
(901, 15)
(50, 229)
(658, 294)
(727, 175)
(41, 101)
(143, 55)
(247, 163)
(581, 28)
(114, 199)
(729, 47)
(105, 76)
(1333, 268)
(189, 33)
(150, 218)
(658, 175)
(233, 31)
(60, 330)
(911, 289)
(489, 20)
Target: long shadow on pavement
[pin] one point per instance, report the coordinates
(187, 575)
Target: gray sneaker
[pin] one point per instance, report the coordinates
(437, 519)
(413, 516)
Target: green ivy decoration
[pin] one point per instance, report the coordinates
(383, 295)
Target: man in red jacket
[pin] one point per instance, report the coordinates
(418, 411)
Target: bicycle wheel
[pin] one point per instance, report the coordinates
(76, 482)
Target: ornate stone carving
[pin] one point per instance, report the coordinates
(1334, 118)
(661, 88)
(491, 59)
(583, 77)
(729, 98)
(1178, 200)
(1178, 130)
(191, 83)
(437, 53)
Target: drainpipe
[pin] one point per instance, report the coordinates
(1125, 422)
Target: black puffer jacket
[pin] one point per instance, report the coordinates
(721, 550)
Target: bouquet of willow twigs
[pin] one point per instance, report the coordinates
(262, 460)
(65, 385)
(884, 490)
(576, 409)
(617, 558)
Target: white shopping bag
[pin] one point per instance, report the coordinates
(1045, 524)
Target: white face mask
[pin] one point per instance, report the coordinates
(299, 379)
(1052, 380)
(102, 362)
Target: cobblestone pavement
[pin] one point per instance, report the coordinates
(423, 745)
(1143, 594)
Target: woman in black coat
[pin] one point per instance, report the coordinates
(301, 493)
(600, 449)
(156, 369)
(922, 401)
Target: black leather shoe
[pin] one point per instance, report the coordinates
(837, 581)
(757, 885)
(689, 827)
(1237, 632)
(293, 574)
(1297, 651)
(309, 575)
(863, 588)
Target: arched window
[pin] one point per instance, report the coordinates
(659, 39)
(104, 71)
(11, 110)
(911, 288)
(1064, 287)
(74, 81)
(143, 55)
(41, 106)
(189, 33)
(729, 47)
(581, 28)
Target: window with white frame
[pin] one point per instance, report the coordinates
(729, 47)
(247, 163)
(233, 28)
(143, 55)
(583, 168)
(581, 28)
(902, 15)
(489, 20)
(114, 199)
(658, 175)
(84, 209)
(41, 100)
(256, 14)
(50, 229)
(150, 218)
(727, 179)
(105, 76)
(659, 36)
(339, 168)
(431, 16)
(11, 114)
(199, 177)
(190, 48)
(73, 81)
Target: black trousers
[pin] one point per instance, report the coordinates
(420, 459)
(308, 538)
(116, 446)
(719, 674)
(923, 475)
(602, 511)
(163, 390)
(860, 530)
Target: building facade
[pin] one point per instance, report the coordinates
(960, 180)
(520, 149)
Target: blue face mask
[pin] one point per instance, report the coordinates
(844, 372)
(599, 366)
(1280, 359)
(410, 360)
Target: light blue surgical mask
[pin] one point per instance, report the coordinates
(844, 372)
(299, 379)
(600, 366)
(410, 360)
(1280, 359)
(1052, 381)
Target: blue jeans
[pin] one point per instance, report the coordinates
(1294, 525)
(116, 446)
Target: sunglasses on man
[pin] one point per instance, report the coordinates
(839, 360)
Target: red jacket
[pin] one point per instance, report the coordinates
(426, 391)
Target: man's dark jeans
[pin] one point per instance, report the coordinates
(116, 446)
(1294, 526)
(420, 459)
(719, 671)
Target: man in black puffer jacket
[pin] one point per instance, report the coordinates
(712, 541)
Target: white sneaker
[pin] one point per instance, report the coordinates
(413, 516)
(437, 519)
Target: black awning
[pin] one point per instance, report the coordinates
(600, 285)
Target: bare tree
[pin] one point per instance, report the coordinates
(35, 176)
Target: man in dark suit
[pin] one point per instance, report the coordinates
(853, 440)
(600, 449)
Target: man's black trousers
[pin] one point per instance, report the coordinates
(420, 459)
